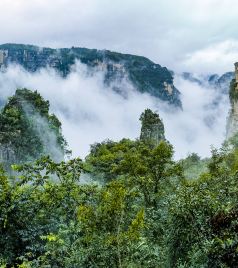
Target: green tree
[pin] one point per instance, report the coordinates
(202, 219)
(28, 131)
(34, 204)
(103, 157)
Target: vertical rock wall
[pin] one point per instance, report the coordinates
(232, 122)
(152, 128)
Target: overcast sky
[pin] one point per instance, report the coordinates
(184, 35)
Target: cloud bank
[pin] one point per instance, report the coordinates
(90, 112)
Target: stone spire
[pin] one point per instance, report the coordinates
(152, 127)
(232, 122)
(236, 72)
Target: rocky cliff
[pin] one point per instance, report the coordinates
(144, 74)
(28, 131)
(152, 127)
(232, 122)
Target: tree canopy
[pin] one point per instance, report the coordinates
(27, 129)
(141, 208)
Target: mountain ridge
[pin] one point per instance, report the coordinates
(145, 75)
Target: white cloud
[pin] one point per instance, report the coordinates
(202, 123)
(91, 113)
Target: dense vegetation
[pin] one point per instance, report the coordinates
(233, 92)
(139, 209)
(28, 131)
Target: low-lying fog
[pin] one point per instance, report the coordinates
(90, 112)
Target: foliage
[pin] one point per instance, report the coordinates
(141, 208)
(152, 127)
(194, 166)
(28, 131)
(145, 214)
(103, 157)
(32, 205)
(203, 217)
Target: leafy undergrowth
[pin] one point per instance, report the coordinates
(141, 209)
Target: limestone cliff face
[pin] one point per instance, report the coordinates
(145, 75)
(232, 122)
(152, 127)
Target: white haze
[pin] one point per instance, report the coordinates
(44, 132)
(91, 113)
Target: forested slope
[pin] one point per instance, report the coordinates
(141, 208)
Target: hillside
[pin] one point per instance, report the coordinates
(28, 131)
(140, 208)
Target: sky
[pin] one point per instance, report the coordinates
(184, 35)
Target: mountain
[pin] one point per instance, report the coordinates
(232, 122)
(219, 82)
(145, 75)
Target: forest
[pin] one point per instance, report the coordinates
(127, 204)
